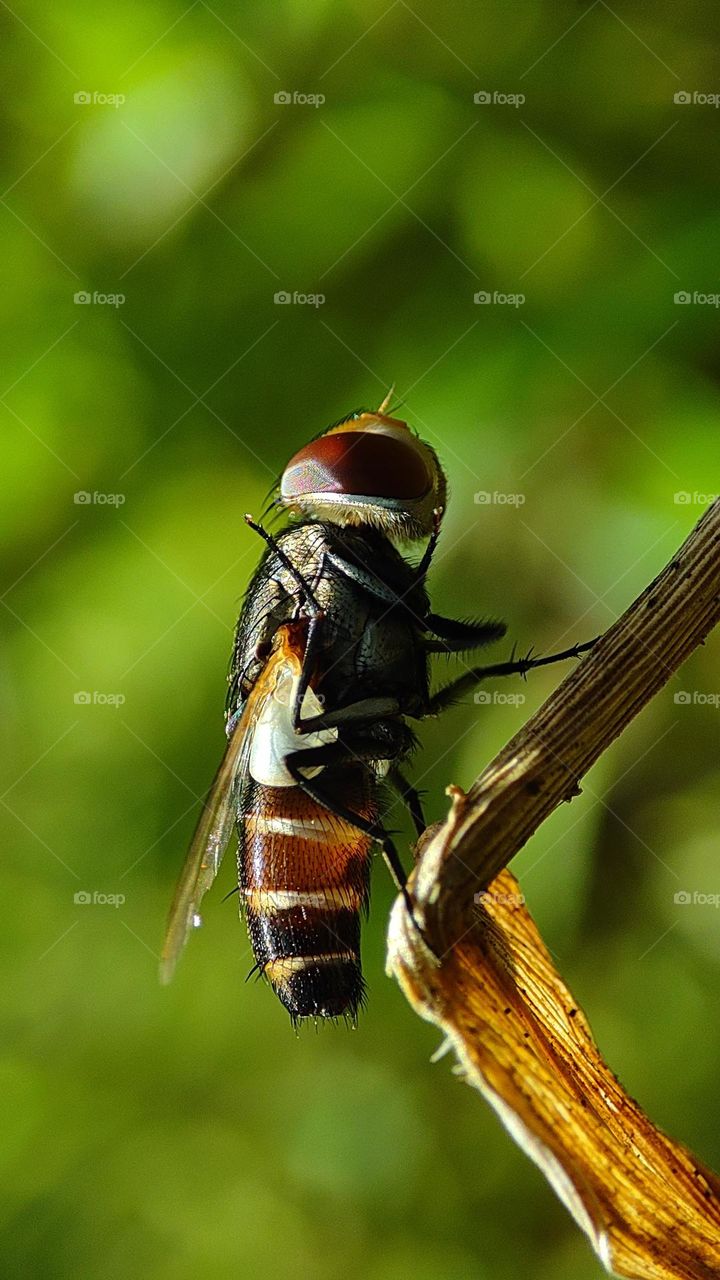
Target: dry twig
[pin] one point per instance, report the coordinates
(648, 1208)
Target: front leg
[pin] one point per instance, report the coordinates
(307, 670)
(423, 567)
(307, 595)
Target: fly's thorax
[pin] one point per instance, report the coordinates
(369, 646)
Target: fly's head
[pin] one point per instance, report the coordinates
(369, 469)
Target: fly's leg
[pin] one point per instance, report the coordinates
(421, 571)
(312, 646)
(342, 753)
(411, 797)
(365, 577)
(306, 590)
(315, 622)
(366, 711)
(454, 636)
(450, 694)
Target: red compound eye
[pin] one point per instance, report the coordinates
(365, 464)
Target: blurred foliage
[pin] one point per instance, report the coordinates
(188, 1131)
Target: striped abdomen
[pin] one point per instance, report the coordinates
(304, 880)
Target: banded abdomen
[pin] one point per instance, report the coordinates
(304, 881)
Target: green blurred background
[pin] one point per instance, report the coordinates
(186, 1131)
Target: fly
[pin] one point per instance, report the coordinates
(331, 658)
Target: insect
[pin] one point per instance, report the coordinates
(331, 658)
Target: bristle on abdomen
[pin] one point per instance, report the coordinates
(304, 883)
(309, 954)
(318, 986)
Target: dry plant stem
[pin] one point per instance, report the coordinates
(542, 765)
(650, 1210)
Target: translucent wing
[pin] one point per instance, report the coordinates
(217, 819)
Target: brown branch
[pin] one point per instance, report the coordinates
(647, 1206)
